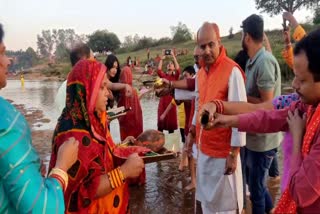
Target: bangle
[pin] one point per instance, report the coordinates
(116, 178)
(288, 44)
(61, 176)
(219, 106)
(232, 154)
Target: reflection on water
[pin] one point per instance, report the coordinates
(163, 192)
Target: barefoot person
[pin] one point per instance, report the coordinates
(97, 184)
(22, 187)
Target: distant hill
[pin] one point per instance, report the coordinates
(232, 46)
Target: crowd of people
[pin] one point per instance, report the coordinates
(235, 147)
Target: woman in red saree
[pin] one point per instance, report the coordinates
(96, 185)
(131, 124)
(170, 122)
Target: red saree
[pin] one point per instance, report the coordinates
(79, 120)
(170, 122)
(131, 124)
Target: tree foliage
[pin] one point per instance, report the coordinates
(316, 17)
(57, 42)
(180, 33)
(134, 43)
(103, 40)
(22, 59)
(275, 7)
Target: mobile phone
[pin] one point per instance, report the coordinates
(285, 25)
(167, 52)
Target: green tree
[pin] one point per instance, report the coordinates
(316, 17)
(180, 33)
(22, 59)
(57, 42)
(62, 52)
(42, 47)
(127, 42)
(103, 40)
(33, 55)
(275, 7)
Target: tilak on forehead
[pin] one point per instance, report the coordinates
(207, 32)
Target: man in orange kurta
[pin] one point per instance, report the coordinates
(219, 177)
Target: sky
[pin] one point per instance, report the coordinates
(24, 19)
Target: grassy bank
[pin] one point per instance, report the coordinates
(232, 46)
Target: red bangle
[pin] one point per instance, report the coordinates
(60, 179)
(219, 106)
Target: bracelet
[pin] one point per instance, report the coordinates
(232, 154)
(219, 106)
(61, 176)
(116, 178)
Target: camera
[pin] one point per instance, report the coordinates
(167, 52)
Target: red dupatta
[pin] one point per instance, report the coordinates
(286, 204)
(79, 120)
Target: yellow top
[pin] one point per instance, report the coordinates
(181, 114)
(287, 53)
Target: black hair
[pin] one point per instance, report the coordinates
(253, 25)
(310, 45)
(109, 64)
(78, 52)
(189, 69)
(242, 58)
(1, 33)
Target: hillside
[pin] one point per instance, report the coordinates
(232, 46)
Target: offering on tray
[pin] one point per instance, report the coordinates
(121, 153)
(158, 83)
(152, 139)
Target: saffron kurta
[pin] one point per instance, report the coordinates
(216, 191)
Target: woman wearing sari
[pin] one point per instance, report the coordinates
(131, 124)
(96, 185)
(170, 122)
(22, 187)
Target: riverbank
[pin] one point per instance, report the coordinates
(164, 191)
(41, 139)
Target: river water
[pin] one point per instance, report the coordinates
(164, 191)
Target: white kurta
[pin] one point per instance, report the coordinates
(217, 192)
(60, 100)
(180, 94)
